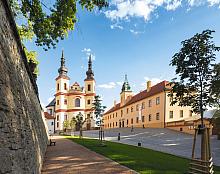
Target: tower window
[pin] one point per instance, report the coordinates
(77, 102)
(88, 102)
(57, 124)
(58, 102)
(58, 86)
(65, 101)
(65, 86)
(89, 87)
(57, 117)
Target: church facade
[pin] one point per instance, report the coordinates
(72, 99)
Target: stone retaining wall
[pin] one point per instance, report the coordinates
(23, 137)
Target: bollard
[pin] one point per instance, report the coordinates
(118, 136)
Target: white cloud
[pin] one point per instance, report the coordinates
(173, 5)
(153, 80)
(119, 83)
(114, 26)
(125, 9)
(135, 32)
(88, 52)
(109, 85)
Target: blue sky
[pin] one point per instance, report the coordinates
(133, 37)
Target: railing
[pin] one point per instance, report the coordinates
(198, 166)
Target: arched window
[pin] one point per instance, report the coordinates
(65, 86)
(89, 87)
(58, 87)
(77, 102)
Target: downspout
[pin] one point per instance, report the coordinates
(164, 108)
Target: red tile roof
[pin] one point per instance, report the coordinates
(160, 87)
(48, 116)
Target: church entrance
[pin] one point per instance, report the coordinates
(88, 126)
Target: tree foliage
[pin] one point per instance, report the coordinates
(49, 24)
(215, 87)
(98, 109)
(79, 122)
(195, 67)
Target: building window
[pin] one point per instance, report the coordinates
(57, 124)
(157, 100)
(65, 117)
(132, 121)
(65, 86)
(149, 118)
(116, 123)
(127, 110)
(113, 115)
(136, 119)
(51, 123)
(50, 111)
(77, 102)
(127, 121)
(121, 113)
(110, 124)
(132, 109)
(142, 118)
(57, 117)
(137, 107)
(171, 114)
(143, 105)
(158, 116)
(88, 116)
(190, 113)
(89, 87)
(110, 116)
(181, 113)
(58, 87)
(116, 114)
(149, 103)
(113, 124)
(58, 102)
(88, 102)
(65, 101)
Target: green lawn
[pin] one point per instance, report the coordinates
(140, 159)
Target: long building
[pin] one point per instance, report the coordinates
(150, 108)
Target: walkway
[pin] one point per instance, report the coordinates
(68, 157)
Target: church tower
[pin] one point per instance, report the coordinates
(126, 92)
(62, 87)
(89, 91)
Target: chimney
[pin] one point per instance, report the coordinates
(148, 85)
(115, 103)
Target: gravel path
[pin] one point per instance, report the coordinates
(68, 157)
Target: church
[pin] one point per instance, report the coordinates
(71, 100)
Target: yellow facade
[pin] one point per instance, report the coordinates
(149, 108)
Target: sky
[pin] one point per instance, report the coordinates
(133, 37)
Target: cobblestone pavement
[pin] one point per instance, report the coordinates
(68, 157)
(164, 140)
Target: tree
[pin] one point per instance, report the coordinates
(195, 67)
(66, 124)
(79, 121)
(72, 124)
(215, 87)
(98, 111)
(49, 24)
